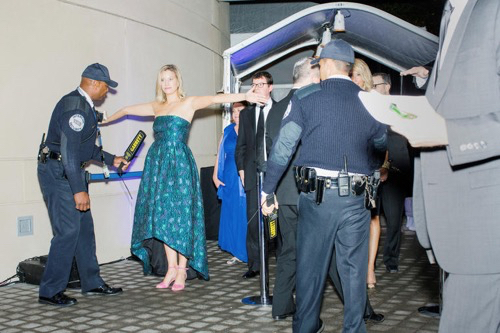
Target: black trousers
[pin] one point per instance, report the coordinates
(392, 197)
(73, 232)
(341, 223)
(284, 284)
(253, 230)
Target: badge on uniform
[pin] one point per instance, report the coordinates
(76, 122)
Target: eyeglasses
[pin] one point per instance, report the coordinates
(258, 85)
(378, 84)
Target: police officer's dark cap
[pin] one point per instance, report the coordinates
(336, 49)
(100, 73)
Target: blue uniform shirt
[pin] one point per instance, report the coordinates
(331, 122)
(73, 133)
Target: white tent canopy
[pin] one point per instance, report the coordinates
(373, 33)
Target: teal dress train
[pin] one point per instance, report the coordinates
(169, 205)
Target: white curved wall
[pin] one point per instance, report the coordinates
(45, 45)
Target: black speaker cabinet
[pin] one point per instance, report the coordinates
(211, 204)
(31, 271)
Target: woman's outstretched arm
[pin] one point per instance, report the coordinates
(201, 102)
(143, 110)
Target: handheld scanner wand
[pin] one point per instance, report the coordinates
(132, 149)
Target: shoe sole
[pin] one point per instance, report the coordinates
(101, 294)
(54, 304)
(373, 321)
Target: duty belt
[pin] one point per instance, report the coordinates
(330, 182)
(45, 153)
(53, 155)
(308, 181)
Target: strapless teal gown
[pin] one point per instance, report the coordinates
(169, 204)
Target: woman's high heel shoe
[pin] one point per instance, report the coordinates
(371, 281)
(165, 284)
(233, 261)
(179, 286)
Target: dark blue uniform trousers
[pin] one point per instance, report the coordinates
(343, 223)
(73, 234)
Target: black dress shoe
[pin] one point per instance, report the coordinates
(103, 290)
(250, 274)
(283, 316)
(392, 268)
(58, 299)
(375, 318)
(430, 311)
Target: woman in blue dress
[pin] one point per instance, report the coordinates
(233, 219)
(169, 205)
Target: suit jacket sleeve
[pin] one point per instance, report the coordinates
(473, 134)
(473, 139)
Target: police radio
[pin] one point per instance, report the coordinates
(132, 149)
(344, 181)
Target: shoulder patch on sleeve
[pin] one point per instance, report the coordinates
(307, 90)
(76, 122)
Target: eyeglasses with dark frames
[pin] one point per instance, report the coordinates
(259, 85)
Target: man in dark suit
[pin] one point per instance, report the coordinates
(251, 158)
(397, 186)
(456, 205)
(287, 195)
(69, 146)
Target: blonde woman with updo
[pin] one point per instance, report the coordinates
(169, 204)
(362, 76)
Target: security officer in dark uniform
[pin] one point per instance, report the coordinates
(70, 143)
(339, 141)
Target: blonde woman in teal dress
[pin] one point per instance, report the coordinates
(169, 205)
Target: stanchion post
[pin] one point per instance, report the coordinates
(264, 298)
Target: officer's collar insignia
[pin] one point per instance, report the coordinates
(288, 109)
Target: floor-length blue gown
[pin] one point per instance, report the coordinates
(169, 204)
(233, 217)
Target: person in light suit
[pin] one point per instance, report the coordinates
(456, 201)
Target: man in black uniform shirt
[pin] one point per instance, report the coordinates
(71, 142)
(332, 124)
